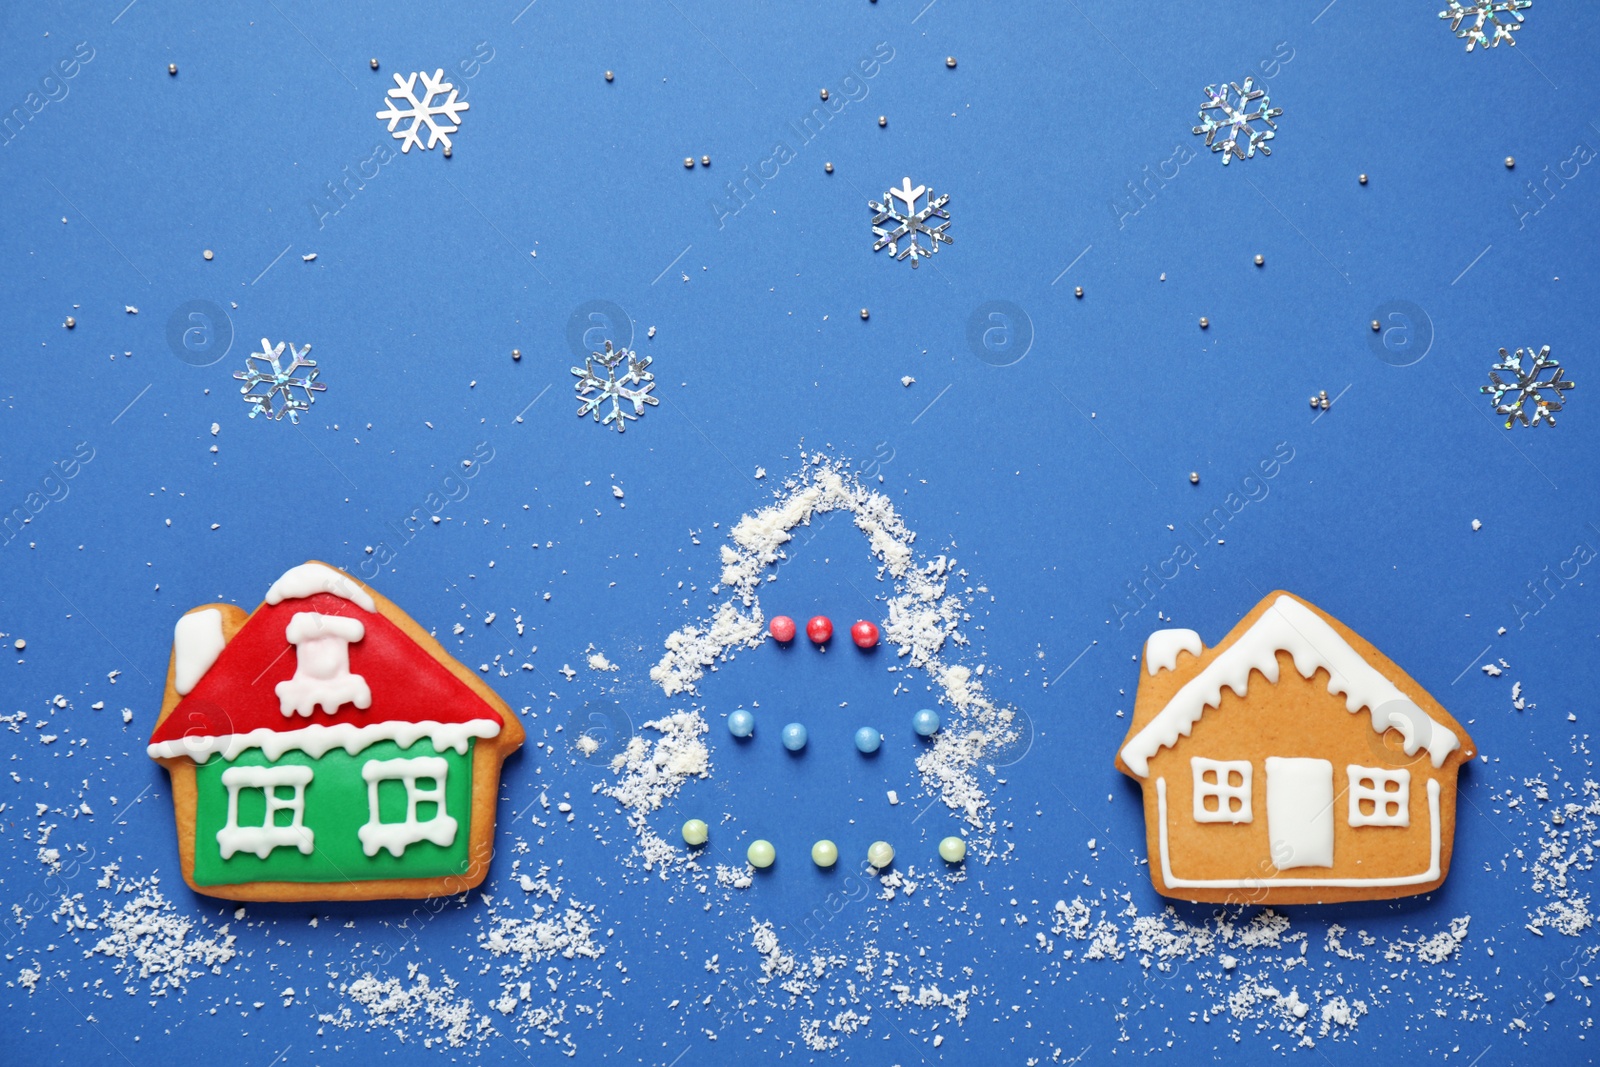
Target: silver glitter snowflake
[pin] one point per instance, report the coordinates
(1235, 119)
(593, 391)
(907, 222)
(1528, 388)
(423, 112)
(1481, 23)
(267, 382)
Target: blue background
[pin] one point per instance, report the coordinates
(1052, 480)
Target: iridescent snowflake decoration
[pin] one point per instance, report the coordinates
(1235, 118)
(1482, 24)
(593, 391)
(423, 112)
(904, 224)
(268, 383)
(1528, 387)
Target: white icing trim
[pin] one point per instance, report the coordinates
(1299, 812)
(1172, 881)
(322, 665)
(262, 839)
(1290, 626)
(1222, 790)
(197, 641)
(1380, 796)
(317, 740)
(311, 578)
(399, 836)
(1162, 647)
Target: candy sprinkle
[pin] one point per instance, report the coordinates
(741, 723)
(880, 854)
(695, 833)
(864, 634)
(761, 854)
(781, 627)
(794, 737)
(824, 853)
(953, 850)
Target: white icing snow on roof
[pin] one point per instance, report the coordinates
(196, 643)
(1289, 626)
(1162, 648)
(310, 578)
(317, 739)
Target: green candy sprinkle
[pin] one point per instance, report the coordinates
(824, 853)
(880, 854)
(761, 854)
(953, 849)
(695, 832)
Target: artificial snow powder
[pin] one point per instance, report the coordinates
(152, 942)
(650, 774)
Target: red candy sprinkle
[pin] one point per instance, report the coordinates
(820, 629)
(864, 634)
(782, 627)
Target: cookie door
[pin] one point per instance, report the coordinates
(1300, 812)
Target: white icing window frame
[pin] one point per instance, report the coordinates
(1222, 790)
(261, 840)
(1380, 795)
(399, 836)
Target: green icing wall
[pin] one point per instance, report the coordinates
(335, 809)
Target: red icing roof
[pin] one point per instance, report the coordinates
(237, 694)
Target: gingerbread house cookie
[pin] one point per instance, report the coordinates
(325, 747)
(1292, 763)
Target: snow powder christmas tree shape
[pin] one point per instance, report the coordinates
(593, 391)
(1473, 21)
(909, 221)
(1235, 119)
(424, 111)
(272, 381)
(1528, 387)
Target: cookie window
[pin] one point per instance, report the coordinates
(438, 828)
(1221, 790)
(285, 792)
(1379, 797)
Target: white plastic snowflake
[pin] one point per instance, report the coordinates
(1236, 118)
(593, 391)
(1528, 389)
(1471, 21)
(908, 222)
(271, 382)
(424, 111)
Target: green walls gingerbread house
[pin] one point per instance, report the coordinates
(325, 746)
